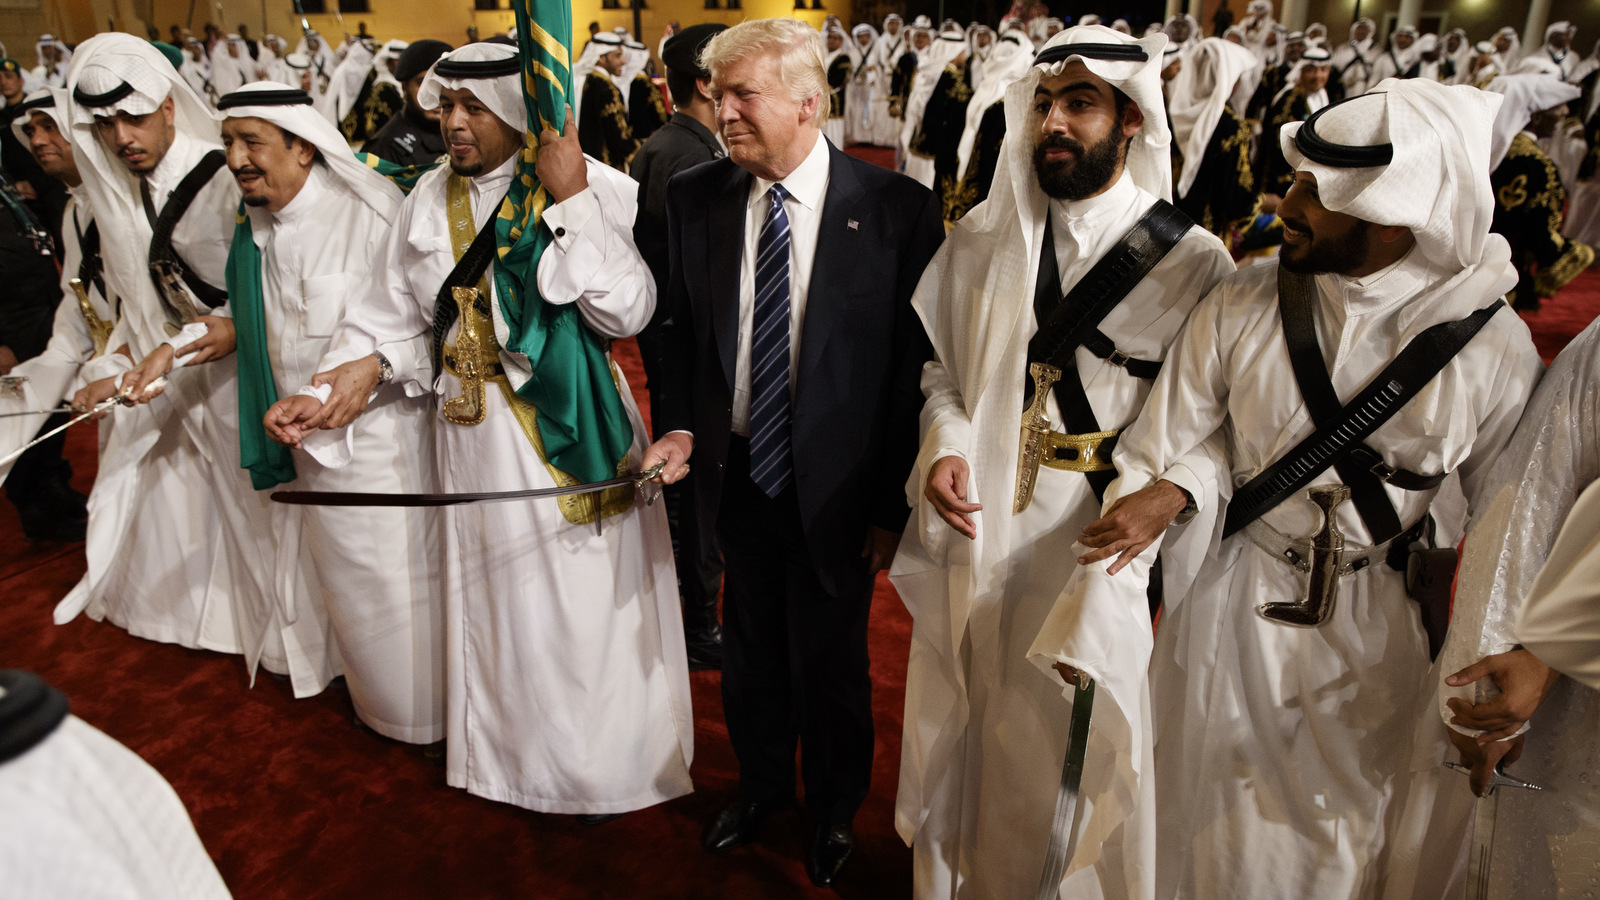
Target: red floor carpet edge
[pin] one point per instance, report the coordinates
(293, 803)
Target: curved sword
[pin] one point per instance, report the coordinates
(360, 498)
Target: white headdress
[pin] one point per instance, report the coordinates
(117, 72)
(1204, 86)
(1525, 94)
(492, 72)
(1410, 152)
(50, 101)
(290, 109)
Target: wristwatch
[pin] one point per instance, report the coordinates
(385, 370)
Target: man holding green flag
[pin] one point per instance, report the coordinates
(568, 686)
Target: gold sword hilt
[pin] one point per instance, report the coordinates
(99, 329)
(471, 368)
(1035, 426)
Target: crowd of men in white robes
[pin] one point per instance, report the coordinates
(1220, 375)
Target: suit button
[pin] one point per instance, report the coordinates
(561, 232)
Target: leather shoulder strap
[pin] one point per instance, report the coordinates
(1340, 438)
(161, 249)
(1107, 282)
(470, 267)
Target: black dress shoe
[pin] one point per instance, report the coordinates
(593, 819)
(735, 825)
(705, 654)
(830, 848)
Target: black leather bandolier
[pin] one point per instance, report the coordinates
(91, 269)
(163, 257)
(1339, 441)
(1066, 323)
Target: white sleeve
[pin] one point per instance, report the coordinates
(592, 260)
(387, 317)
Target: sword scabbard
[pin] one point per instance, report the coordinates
(470, 366)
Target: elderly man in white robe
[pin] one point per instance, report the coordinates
(78, 351)
(315, 219)
(567, 678)
(149, 152)
(1084, 177)
(1286, 685)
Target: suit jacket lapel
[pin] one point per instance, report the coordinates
(725, 232)
(834, 254)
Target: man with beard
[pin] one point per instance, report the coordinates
(1530, 199)
(44, 196)
(150, 154)
(986, 555)
(29, 315)
(552, 603)
(603, 117)
(1352, 60)
(1372, 360)
(411, 138)
(1402, 59)
(1301, 97)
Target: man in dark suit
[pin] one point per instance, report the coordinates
(791, 372)
(687, 140)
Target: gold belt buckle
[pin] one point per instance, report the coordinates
(1078, 452)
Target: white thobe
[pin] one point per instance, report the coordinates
(1537, 511)
(883, 130)
(64, 366)
(568, 685)
(82, 816)
(1278, 748)
(376, 570)
(184, 540)
(1353, 62)
(987, 728)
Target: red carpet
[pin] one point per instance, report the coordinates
(293, 803)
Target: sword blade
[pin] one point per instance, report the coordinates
(361, 498)
(1064, 828)
(100, 407)
(1482, 851)
(41, 412)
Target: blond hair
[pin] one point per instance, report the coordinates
(797, 45)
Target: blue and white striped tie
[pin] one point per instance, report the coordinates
(771, 467)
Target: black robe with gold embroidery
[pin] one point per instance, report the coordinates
(838, 77)
(603, 129)
(1273, 172)
(1224, 191)
(376, 104)
(938, 136)
(981, 165)
(905, 72)
(646, 110)
(1528, 200)
(1271, 84)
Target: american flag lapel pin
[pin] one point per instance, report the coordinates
(852, 224)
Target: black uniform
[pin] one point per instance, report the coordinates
(378, 102)
(37, 485)
(1273, 171)
(408, 139)
(939, 134)
(677, 146)
(647, 112)
(974, 188)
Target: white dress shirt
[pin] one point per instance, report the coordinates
(808, 187)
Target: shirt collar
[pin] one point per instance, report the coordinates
(1385, 288)
(807, 183)
(498, 179)
(1090, 210)
(304, 203)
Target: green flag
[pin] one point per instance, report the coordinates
(582, 421)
